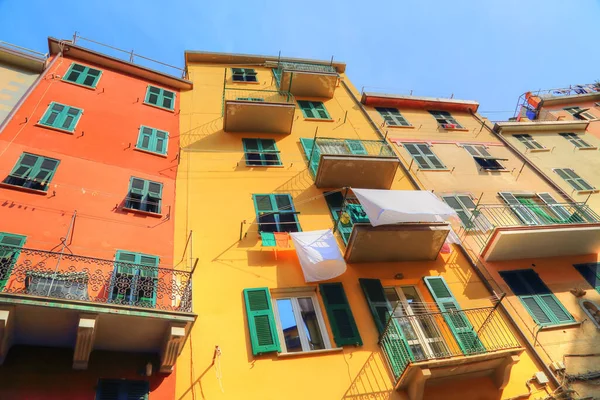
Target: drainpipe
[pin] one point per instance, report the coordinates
(381, 135)
(17, 106)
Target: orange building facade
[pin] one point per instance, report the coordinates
(87, 278)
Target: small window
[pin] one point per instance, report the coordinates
(464, 207)
(121, 389)
(445, 120)
(313, 109)
(276, 213)
(575, 140)
(423, 155)
(392, 116)
(61, 117)
(529, 142)
(159, 97)
(539, 301)
(591, 273)
(144, 195)
(573, 179)
(483, 157)
(243, 75)
(135, 279)
(10, 248)
(261, 152)
(153, 140)
(300, 324)
(33, 172)
(580, 113)
(82, 75)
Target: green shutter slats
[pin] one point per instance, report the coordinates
(144, 195)
(159, 97)
(378, 304)
(261, 321)
(573, 179)
(9, 257)
(341, 320)
(522, 212)
(461, 328)
(33, 172)
(313, 154)
(261, 152)
(392, 116)
(275, 213)
(243, 75)
(62, 117)
(153, 140)
(313, 109)
(82, 75)
(423, 155)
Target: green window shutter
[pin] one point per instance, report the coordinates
(356, 147)
(320, 109)
(461, 327)
(153, 140)
(275, 213)
(62, 117)
(261, 152)
(306, 108)
(9, 253)
(121, 389)
(558, 209)
(340, 315)
(160, 97)
(522, 212)
(394, 342)
(314, 156)
(422, 154)
(573, 179)
(539, 301)
(392, 116)
(457, 206)
(33, 171)
(261, 321)
(313, 109)
(591, 273)
(83, 75)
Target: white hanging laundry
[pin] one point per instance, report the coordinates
(319, 254)
(386, 207)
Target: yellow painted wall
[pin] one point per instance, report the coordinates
(214, 198)
(14, 82)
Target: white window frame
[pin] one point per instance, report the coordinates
(424, 342)
(293, 295)
(585, 114)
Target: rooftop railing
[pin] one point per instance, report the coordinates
(23, 50)
(73, 277)
(433, 335)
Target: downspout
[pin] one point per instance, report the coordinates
(17, 106)
(381, 135)
(525, 160)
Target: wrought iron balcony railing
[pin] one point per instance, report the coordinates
(73, 277)
(484, 218)
(431, 335)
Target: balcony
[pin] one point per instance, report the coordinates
(336, 163)
(260, 111)
(65, 300)
(508, 232)
(369, 241)
(308, 80)
(432, 347)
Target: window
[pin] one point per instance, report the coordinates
(275, 213)
(591, 273)
(392, 116)
(341, 320)
(10, 249)
(121, 389)
(33, 172)
(575, 140)
(424, 157)
(135, 279)
(83, 75)
(529, 142)
(261, 152)
(144, 195)
(573, 179)
(313, 109)
(61, 285)
(483, 158)
(153, 140)
(463, 205)
(299, 323)
(539, 301)
(243, 75)
(61, 117)
(579, 113)
(159, 97)
(445, 120)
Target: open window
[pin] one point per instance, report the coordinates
(144, 195)
(541, 209)
(580, 113)
(276, 213)
(135, 279)
(485, 160)
(445, 120)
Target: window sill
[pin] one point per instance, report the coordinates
(399, 126)
(23, 189)
(320, 119)
(150, 152)
(244, 82)
(264, 166)
(310, 353)
(560, 326)
(538, 150)
(494, 170)
(434, 170)
(591, 191)
(147, 213)
(453, 129)
(587, 148)
(79, 84)
(56, 129)
(159, 107)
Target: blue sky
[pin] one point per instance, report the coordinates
(485, 50)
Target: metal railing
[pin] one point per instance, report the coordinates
(438, 335)
(257, 96)
(558, 92)
(353, 147)
(485, 218)
(24, 50)
(301, 67)
(73, 277)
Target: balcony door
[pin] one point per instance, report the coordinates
(417, 322)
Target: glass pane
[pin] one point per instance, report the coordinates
(393, 298)
(287, 319)
(483, 151)
(145, 142)
(311, 324)
(68, 122)
(52, 118)
(167, 103)
(283, 202)
(49, 164)
(263, 203)
(58, 107)
(152, 99)
(28, 160)
(73, 75)
(154, 89)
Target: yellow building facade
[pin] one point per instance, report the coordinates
(273, 145)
